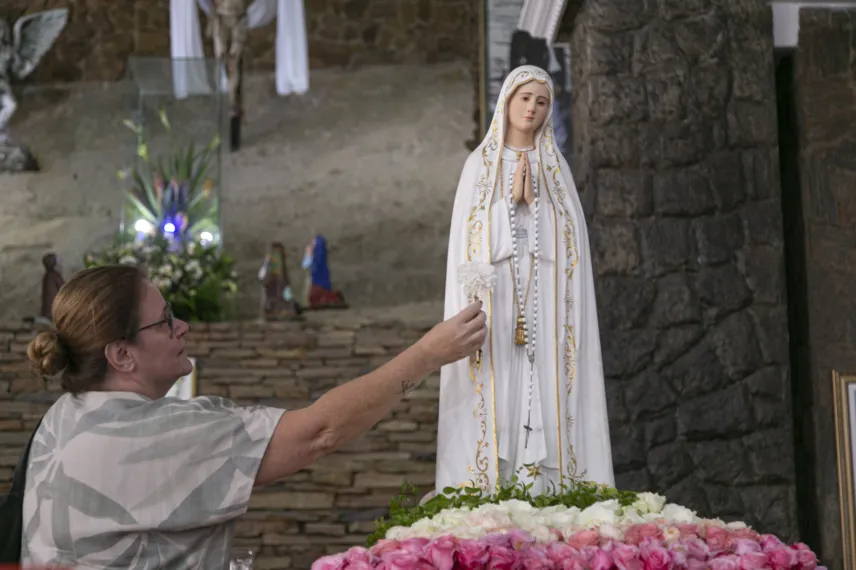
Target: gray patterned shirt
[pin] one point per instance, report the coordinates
(116, 480)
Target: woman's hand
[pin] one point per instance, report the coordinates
(457, 337)
(517, 186)
(528, 190)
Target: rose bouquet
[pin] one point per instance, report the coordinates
(581, 526)
(646, 546)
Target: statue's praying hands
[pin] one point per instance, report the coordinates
(522, 185)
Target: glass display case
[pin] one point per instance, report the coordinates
(172, 185)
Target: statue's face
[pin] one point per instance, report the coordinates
(528, 106)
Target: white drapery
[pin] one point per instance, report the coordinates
(541, 18)
(292, 57)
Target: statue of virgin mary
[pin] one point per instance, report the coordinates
(533, 403)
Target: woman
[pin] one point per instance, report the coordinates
(533, 403)
(121, 477)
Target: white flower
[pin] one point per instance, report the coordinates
(477, 278)
(671, 534)
(599, 513)
(736, 525)
(161, 283)
(678, 514)
(128, 260)
(610, 531)
(649, 503)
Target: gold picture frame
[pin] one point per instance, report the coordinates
(844, 402)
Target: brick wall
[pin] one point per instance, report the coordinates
(324, 509)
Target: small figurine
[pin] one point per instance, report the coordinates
(277, 300)
(51, 283)
(320, 292)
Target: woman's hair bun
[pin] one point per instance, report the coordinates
(47, 354)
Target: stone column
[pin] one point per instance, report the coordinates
(825, 93)
(675, 155)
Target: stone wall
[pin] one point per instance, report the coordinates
(326, 508)
(677, 163)
(824, 175)
(100, 36)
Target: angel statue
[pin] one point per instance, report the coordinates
(22, 47)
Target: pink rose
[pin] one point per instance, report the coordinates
(565, 556)
(806, 559)
(580, 540)
(403, 560)
(497, 540)
(654, 556)
(697, 549)
(535, 557)
(754, 561)
(729, 562)
(471, 555)
(743, 546)
(501, 558)
(333, 562)
(747, 533)
(717, 538)
(770, 542)
(782, 558)
(415, 545)
(626, 556)
(697, 565)
(520, 538)
(385, 545)
(360, 565)
(678, 552)
(639, 532)
(441, 552)
(599, 559)
(688, 530)
(358, 554)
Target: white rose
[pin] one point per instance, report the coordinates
(649, 503)
(564, 518)
(598, 514)
(671, 534)
(397, 533)
(633, 517)
(541, 533)
(737, 525)
(611, 532)
(678, 514)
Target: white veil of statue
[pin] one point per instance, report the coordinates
(539, 415)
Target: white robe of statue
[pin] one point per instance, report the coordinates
(484, 404)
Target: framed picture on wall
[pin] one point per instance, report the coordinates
(185, 387)
(844, 401)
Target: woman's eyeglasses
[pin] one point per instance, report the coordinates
(168, 321)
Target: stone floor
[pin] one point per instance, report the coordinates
(370, 158)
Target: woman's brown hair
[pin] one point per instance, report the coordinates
(94, 308)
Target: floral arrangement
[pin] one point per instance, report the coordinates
(580, 526)
(171, 195)
(649, 546)
(198, 281)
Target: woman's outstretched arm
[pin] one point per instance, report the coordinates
(346, 412)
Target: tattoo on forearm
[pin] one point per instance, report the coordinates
(407, 386)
